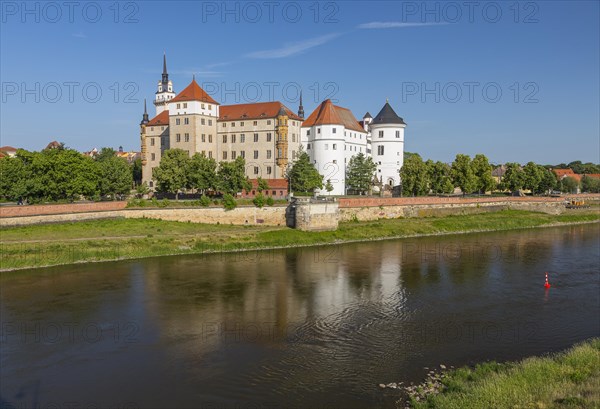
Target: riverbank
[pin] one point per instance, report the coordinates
(568, 379)
(118, 239)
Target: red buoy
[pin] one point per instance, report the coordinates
(547, 284)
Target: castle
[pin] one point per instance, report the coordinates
(268, 135)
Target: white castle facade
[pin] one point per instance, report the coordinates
(269, 136)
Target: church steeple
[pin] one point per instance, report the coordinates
(145, 119)
(300, 107)
(165, 74)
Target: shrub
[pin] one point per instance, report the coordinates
(229, 202)
(164, 203)
(204, 201)
(259, 200)
(270, 201)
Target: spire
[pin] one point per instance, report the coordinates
(145, 116)
(300, 107)
(165, 75)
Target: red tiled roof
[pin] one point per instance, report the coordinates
(273, 183)
(160, 119)
(193, 92)
(328, 114)
(256, 110)
(7, 149)
(563, 172)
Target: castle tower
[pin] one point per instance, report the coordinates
(165, 89)
(367, 119)
(301, 107)
(387, 145)
(143, 134)
(281, 144)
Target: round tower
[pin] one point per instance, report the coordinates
(387, 145)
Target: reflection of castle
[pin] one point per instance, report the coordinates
(268, 135)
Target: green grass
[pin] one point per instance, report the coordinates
(99, 240)
(570, 379)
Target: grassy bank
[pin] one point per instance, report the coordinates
(98, 240)
(570, 379)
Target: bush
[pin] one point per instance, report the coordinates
(229, 202)
(259, 200)
(270, 201)
(164, 203)
(204, 201)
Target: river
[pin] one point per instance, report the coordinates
(306, 328)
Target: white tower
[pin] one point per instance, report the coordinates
(165, 89)
(387, 145)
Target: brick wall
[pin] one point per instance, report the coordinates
(19, 211)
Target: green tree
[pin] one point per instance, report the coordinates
(532, 177)
(141, 190)
(232, 176)
(303, 176)
(569, 185)
(359, 173)
(514, 177)
(105, 153)
(261, 185)
(328, 186)
(590, 185)
(171, 175)
(73, 174)
(439, 175)
(136, 171)
(115, 176)
(483, 172)
(548, 182)
(463, 175)
(414, 176)
(202, 174)
(14, 177)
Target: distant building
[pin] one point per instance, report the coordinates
(8, 151)
(54, 145)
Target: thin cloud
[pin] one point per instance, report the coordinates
(291, 49)
(394, 24)
(79, 35)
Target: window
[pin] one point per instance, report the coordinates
(233, 155)
(255, 154)
(209, 106)
(233, 138)
(178, 137)
(177, 121)
(233, 124)
(209, 138)
(210, 122)
(186, 121)
(308, 146)
(318, 130)
(268, 154)
(256, 170)
(308, 132)
(178, 106)
(202, 121)
(187, 137)
(242, 138)
(224, 138)
(224, 125)
(203, 137)
(151, 141)
(334, 130)
(269, 122)
(202, 106)
(243, 154)
(397, 134)
(224, 154)
(326, 147)
(153, 156)
(241, 124)
(334, 161)
(293, 137)
(185, 104)
(397, 153)
(269, 136)
(335, 146)
(268, 170)
(210, 154)
(255, 123)
(255, 137)
(380, 150)
(381, 134)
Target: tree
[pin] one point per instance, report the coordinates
(171, 175)
(303, 176)
(483, 173)
(115, 177)
(136, 171)
(532, 177)
(202, 174)
(414, 176)
(439, 176)
(548, 182)
(359, 173)
(232, 176)
(463, 175)
(14, 176)
(328, 186)
(513, 178)
(261, 184)
(569, 185)
(105, 153)
(141, 190)
(590, 185)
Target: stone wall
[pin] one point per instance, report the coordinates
(315, 216)
(16, 211)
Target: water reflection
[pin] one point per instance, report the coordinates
(305, 327)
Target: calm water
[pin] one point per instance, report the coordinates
(300, 328)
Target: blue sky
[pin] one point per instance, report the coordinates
(515, 81)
